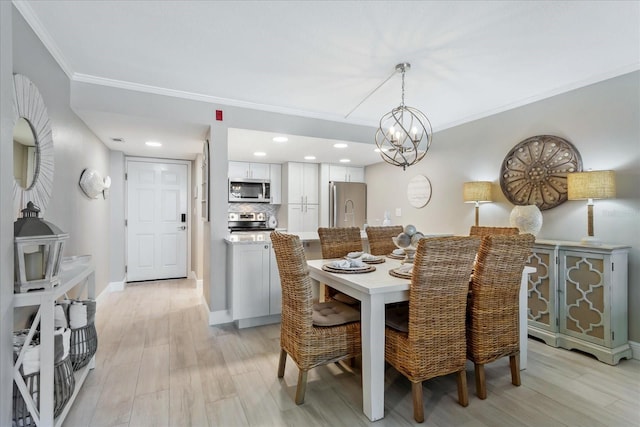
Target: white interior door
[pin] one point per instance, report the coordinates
(156, 220)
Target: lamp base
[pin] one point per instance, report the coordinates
(591, 240)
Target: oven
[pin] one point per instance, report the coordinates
(248, 221)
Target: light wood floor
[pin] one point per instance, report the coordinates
(160, 364)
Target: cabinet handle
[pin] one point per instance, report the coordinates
(266, 246)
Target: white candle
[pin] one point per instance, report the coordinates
(33, 266)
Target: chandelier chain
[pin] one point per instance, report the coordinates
(402, 105)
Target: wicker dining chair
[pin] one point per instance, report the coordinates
(379, 238)
(301, 335)
(337, 242)
(493, 310)
(481, 231)
(434, 342)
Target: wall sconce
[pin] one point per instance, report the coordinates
(588, 186)
(38, 251)
(477, 192)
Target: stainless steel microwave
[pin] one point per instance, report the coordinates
(249, 190)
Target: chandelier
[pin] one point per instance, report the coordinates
(404, 135)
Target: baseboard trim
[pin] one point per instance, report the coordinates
(194, 276)
(220, 317)
(635, 349)
(116, 286)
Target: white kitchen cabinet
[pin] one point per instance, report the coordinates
(577, 298)
(255, 284)
(72, 274)
(346, 173)
(301, 183)
(249, 170)
(302, 217)
(275, 176)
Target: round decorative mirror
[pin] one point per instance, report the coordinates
(25, 154)
(32, 147)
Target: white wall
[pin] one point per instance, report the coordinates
(6, 213)
(603, 123)
(75, 148)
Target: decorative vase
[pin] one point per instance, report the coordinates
(527, 218)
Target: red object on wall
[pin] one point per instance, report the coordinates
(219, 115)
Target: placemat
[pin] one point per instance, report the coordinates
(375, 261)
(394, 256)
(330, 269)
(401, 275)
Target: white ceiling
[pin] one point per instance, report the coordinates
(319, 59)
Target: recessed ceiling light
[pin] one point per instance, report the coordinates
(309, 157)
(280, 139)
(344, 160)
(340, 145)
(153, 144)
(260, 154)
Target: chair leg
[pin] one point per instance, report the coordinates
(302, 387)
(282, 363)
(418, 408)
(481, 385)
(514, 363)
(463, 395)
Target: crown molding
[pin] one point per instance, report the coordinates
(138, 87)
(29, 15)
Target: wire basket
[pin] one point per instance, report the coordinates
(84, 344)
(63, 385)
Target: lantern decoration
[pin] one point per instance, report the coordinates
(38, 251)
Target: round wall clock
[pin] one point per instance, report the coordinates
(535, 171)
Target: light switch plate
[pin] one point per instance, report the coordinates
(398, 212)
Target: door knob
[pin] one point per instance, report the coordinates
(182, 227)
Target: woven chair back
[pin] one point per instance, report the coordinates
(296, 284)
(493, 310)
(336, 242)
(478, 230)
(379, 238)
(437, 303)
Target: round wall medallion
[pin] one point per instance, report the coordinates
(419, 191)
(535, 171)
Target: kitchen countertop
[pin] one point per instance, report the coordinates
(245, 237)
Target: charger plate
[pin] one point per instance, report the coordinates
(394, 256)
(399, 274)
(367, 269)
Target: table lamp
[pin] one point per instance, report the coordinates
(477, 192)
(588, 186)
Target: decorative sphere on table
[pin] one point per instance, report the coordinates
(527, 218)
(416, 238)
(410, 230)
(403, 240)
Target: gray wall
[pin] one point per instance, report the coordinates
(601, 120)
(75, 148)
(116, 221)
(6, 214)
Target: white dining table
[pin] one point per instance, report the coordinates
(374, 290)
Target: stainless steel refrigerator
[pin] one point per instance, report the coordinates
(347, 204)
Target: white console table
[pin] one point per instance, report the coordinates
(71, 275)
